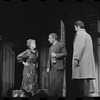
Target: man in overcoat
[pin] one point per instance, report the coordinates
(83, 64)
(55, 65)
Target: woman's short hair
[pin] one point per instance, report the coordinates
(79, 23)
(54, 35)
(29, 42)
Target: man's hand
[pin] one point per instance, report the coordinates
(48, 69)
(76, 62)
(53, 54)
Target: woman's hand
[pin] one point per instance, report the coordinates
(28, 75)
(25, 63)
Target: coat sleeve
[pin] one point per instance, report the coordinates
(79, 45)
(63, 52)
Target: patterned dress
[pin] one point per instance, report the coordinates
(29, 82)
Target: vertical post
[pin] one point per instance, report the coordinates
(63, 41)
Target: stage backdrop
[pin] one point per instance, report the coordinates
(7, 68)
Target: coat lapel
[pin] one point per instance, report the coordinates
(53, 48)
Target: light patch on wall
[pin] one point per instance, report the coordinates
(98, 26)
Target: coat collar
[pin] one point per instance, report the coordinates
(81, 31)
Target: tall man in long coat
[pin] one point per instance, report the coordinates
(55, 65)
(83, 65)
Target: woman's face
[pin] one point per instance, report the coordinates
(33, 45)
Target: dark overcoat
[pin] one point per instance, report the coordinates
(57, 69)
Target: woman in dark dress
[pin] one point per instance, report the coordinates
(29, 60)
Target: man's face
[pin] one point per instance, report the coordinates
(50, 39)
(76, 28)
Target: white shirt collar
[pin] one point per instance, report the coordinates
(54, 43)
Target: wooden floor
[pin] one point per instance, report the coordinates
(43, 90)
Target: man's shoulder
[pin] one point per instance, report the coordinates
(60, 43)
(88, 36)
(81, 33)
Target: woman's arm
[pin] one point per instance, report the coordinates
(22, 55)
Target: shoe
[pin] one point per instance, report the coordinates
(94, 95)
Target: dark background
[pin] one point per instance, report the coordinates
(24, 19)
(21, 20)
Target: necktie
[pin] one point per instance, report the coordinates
(53, 59)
